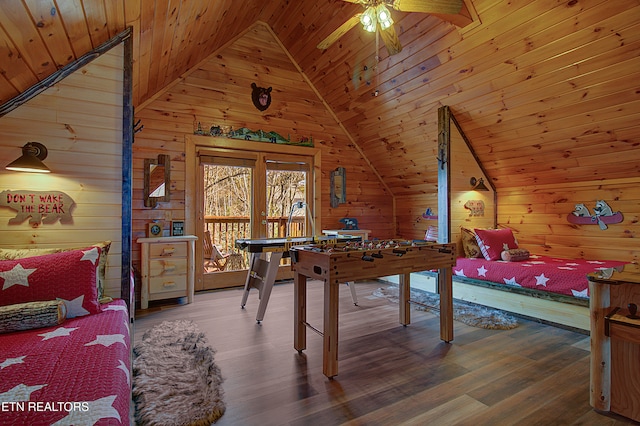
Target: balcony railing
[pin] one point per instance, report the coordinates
(225, 230)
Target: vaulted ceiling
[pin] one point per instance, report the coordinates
(546, 90)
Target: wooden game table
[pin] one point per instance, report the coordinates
(266, 254)
(334, 264)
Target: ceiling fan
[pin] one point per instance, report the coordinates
(376, 16)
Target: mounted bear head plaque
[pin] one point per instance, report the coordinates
(261, 97)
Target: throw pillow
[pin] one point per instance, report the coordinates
(515, 255)
(469, 243)
(69, 275)
(493, 241)
(26, 316)
(11, 254)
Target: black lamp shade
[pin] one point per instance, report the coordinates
(31, 160)
(478, 184)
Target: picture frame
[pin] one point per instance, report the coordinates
(177, 228)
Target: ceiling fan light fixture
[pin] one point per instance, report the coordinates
(384, 16)
(368, 19)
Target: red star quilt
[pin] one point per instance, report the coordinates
(555, 275)
(74, 373)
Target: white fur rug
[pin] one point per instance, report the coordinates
(467, 313)
(175, 379)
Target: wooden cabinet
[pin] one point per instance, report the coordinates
(615, 345)
(167, 268)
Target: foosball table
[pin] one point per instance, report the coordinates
(266, 254)
(336, 263)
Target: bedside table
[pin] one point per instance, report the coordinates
(167, 268)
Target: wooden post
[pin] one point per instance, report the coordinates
(600, 389)
(444, 220)
(444, 175)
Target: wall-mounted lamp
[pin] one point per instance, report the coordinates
(31, 160)
(478, 184)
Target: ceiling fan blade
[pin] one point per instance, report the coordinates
(342, 30)
(391, 40)
(428, 6)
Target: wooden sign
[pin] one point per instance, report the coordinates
(602, 215)
(38, 206)
(475, 207)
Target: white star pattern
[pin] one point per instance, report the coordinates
(16, 276)
(124, 368)
(91, 255)
(74, 307)
(596, 262)
(482, 271)
(19, 393)
(115, 308)
(98, 409)
(541, 280)
(567, 268)
(11, 361)
(582, 293)
(511, 281)
(460, 273)
(107, 340)
(58, 332)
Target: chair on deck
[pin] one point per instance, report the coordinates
(212, 256)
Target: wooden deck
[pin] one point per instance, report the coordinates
(389, 374)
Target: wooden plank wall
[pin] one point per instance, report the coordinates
(538, 216)
(218, 91)
(536, 213)
(79, 120)
(411, 224)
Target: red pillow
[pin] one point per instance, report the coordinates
(69, 276)
(493, 241)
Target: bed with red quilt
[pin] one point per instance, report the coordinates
(493, 255)
(65, 351)
(561, 276)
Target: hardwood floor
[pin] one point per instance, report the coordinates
(535, 374)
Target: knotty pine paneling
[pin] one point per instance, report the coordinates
(538, 215)
(219, 92)
(545, 90)
(463, 165)
(79, 120)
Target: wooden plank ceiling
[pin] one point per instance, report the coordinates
(546, 90)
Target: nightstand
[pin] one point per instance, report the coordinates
(167, 268)
(615, 344)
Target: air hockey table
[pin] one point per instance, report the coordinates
(335, 263)
(265, 256)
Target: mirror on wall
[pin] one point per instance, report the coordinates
(157, 180)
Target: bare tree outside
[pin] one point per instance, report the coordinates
(227, 203)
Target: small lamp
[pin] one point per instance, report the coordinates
(478, 184)
(31, 160)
